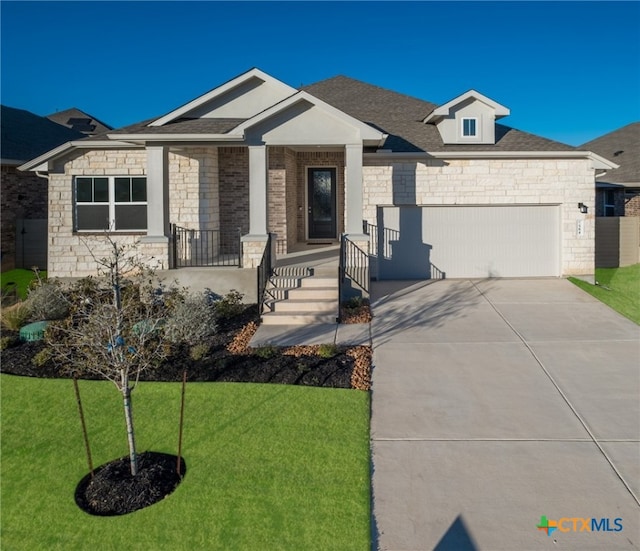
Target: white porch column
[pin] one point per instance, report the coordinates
(157, 194)
(258, 190)
(353, 186)
(254, 242)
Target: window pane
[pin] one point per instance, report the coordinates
(101, 190)
(468, 127)
(139, 189)
(131, 217)
(92, 217)
(84, 187)
(123, 190)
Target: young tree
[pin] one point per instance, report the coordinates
(114, 333)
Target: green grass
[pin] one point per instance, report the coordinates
(619, 288)
(268, 466)
(22, 278)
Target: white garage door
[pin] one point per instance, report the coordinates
(416, 242)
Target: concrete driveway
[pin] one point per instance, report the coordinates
(496, 402)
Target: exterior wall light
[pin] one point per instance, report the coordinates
(583, 208)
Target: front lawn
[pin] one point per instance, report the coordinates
(268, 466)
(21, 278)
(619, 288)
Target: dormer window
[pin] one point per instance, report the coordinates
(469, 127)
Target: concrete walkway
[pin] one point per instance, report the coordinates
(497, 402)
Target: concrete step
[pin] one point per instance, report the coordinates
(296, 318)
(317, 281)
(313, 293)
(325, 305)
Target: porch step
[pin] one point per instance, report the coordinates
(311, 293)
(322, 305)
(297, 318)
(300, 295)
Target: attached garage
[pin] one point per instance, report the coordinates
(471, 241)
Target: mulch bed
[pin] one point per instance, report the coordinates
(227, 360)
(112, 490)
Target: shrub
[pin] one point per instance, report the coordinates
(198, 351)
(265, 352)
(229, 305)
(42, 357)
(191, 321)
(327, 350)
(47, 302)
(14, 317)
(7, 342)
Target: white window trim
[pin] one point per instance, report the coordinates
(111, 203)
(471, 136)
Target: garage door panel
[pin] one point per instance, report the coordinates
(468, 241)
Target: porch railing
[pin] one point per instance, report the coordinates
(199, 248)
(265, 270)
(354, 274)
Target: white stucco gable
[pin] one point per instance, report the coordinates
(240, 98)
(468, 118)
(303, 119)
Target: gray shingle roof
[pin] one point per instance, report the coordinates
(183, 126)
(80, 121)
(400, 116)
(25, 135)
(622, 146)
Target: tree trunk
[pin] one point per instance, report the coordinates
(128, 415)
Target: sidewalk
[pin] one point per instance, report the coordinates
(325, 333)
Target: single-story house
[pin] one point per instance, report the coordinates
(25, 135)
(421, 187)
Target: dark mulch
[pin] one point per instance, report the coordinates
(217, 365)
(113, 491)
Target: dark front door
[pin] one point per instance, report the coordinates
(322, 203)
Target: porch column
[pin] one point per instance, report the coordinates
(157, 194)
(353, 186)
(258, 190)
(253, 244)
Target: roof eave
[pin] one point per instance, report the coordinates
(179, 137)
(41, 163)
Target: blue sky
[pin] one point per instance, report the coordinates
(569, 71)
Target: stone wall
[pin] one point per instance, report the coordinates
(492, 181)
(73, 254)
(194, 201)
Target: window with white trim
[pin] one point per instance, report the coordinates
(469, 127)
(116, 203)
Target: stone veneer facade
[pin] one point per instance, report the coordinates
(493, 181)
(209, 189)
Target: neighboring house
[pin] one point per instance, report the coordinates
(24, 194)
(79, 121)
(618, 190)
(439, 187)
(618, 198)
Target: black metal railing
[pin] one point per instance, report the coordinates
(198, 248)
(353, 269)
(265, 270)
